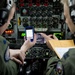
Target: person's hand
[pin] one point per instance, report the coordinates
(17, 56)
(64, 1)
(28, 44)
(49, 37)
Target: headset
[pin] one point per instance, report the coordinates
(4, 12)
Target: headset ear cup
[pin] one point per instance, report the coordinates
(1, 20)
(9, 4)
(4, 13)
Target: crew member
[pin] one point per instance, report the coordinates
(65, 65)
(10, 58)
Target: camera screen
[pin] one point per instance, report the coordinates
(40, 39)
(29, 33)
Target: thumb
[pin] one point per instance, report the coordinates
(24, 38)
(44, 35)
(55, 37)
(16, 60)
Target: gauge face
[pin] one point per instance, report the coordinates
(24, 11)
(33, 21)
(73, 16)
(32, 11)
(38, 11)
(73, 13)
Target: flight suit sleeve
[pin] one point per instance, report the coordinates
(51, 66)
(68, 62)
(6, 67)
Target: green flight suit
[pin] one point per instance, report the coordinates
(7, 67)
(67, 62)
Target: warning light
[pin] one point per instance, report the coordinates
(30, 3)
(37, 2)
(21, 4)
(21, 1)
(23, 34)
(46, 3)
(9, 32)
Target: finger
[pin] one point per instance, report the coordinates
(34, 38)
(24, 38)
(26, 41)
(16, 60)
(55, 37)
(50, 35)
(44, 35)
(21, 57)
